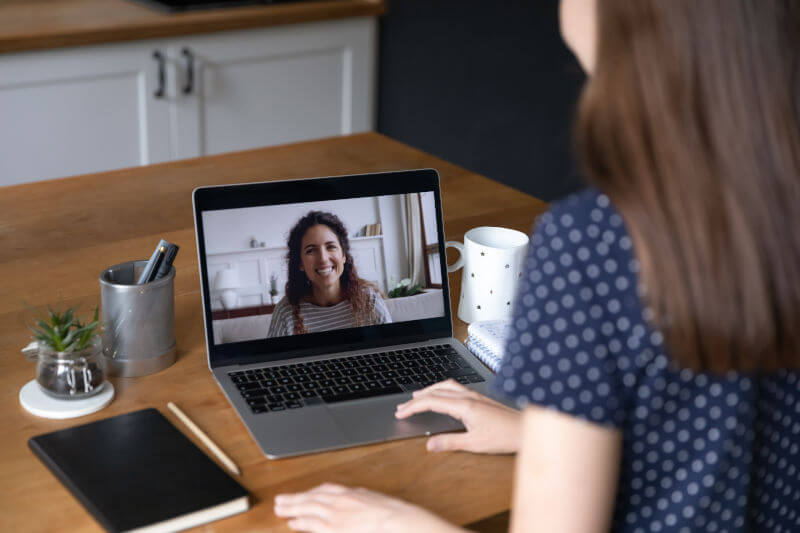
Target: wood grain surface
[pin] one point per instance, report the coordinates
(41, 24)
(57, 236)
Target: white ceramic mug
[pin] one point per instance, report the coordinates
(492, 259)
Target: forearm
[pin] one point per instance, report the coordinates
(566, 474)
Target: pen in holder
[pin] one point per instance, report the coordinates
(139, 320)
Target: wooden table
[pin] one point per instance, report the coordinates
(55, 238)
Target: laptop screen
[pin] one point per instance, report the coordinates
(337, 266)
(309, 267)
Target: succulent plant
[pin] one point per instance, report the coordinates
(64, 332)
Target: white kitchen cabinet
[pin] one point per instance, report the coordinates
(284, 84)
(95, 108)
(74, 111)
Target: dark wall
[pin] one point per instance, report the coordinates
(487, 85)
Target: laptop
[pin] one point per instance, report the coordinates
(315, 340)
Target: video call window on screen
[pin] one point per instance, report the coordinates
(290, 269)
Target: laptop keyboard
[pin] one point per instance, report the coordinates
(293, 386)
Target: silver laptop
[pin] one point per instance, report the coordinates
(326, 304)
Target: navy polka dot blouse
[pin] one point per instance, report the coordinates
(700, 452)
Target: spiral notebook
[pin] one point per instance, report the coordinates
(487, 339)
(137, 472)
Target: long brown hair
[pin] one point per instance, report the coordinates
(691, 125)
(298, 286)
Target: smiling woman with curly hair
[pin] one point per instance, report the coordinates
(323, 291)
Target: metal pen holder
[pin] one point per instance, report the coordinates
(139, 320)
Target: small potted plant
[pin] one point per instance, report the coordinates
(69, 356)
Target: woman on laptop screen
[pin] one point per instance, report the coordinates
(323, 291)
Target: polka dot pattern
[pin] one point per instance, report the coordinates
(700, 452)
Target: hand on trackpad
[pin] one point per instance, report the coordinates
(491, 427)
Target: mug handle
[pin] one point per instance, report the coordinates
(460, 261)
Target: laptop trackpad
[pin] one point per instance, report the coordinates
(374, 421)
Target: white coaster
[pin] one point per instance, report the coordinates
(38, 403)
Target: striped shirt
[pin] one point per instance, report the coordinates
(317, 318)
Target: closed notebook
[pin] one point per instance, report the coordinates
(137, 472)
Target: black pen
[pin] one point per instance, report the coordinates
(150, 269)
(166, 263)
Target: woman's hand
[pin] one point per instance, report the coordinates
(491, 426)
(333, 508)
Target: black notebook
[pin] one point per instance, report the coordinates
(138, 472)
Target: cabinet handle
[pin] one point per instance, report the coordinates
(189, 85)
(162, 74)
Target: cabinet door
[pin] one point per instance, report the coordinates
(79, 110)
(276, 85)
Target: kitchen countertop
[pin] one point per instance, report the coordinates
(42, 24)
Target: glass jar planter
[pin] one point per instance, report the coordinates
(71, 375)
